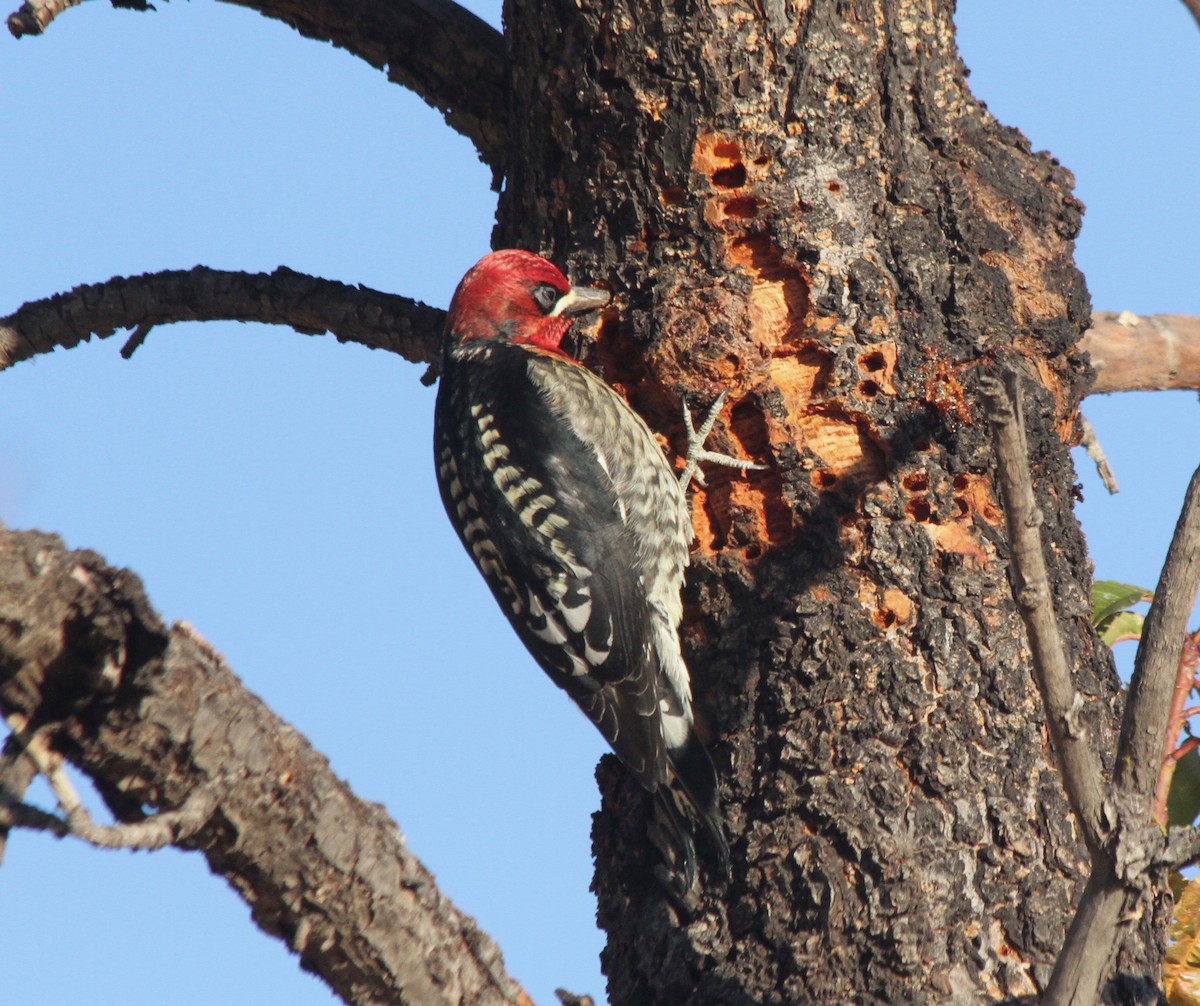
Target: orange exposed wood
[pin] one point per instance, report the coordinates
(1025, 265)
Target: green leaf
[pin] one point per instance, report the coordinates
(1183, 798)
(1109, 597)
(1122, 625)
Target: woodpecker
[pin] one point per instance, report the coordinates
(570, 510)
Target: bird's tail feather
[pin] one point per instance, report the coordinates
(697, 779)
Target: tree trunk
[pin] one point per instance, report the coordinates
(804, 204)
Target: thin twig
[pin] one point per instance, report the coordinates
(160, 830)
(134, 342)
(1091, 444)
(168, 827)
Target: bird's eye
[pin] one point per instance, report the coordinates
(546, 296)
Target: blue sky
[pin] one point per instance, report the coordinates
(276, 490)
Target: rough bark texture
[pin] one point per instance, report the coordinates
(802, 202)
(153, 715)
(283, 297)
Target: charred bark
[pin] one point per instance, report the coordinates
(804, 204)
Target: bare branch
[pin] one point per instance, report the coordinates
(1194, 7)
(1157, 352)
(155, 715)
(1139, 756)
(156, 832)
(308, 304)
(17, 771)
(1075, 748)
(1091, 444)
(451, 58)
(1125, 361)
(17, 814)
(1084, 962)
(1119, 830)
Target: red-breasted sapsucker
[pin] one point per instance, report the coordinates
(579, 525)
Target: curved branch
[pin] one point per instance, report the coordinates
(1130, 353)
(309, 304)
(1193, 7)
(1156, 352)
(451, 58)
(154, 716)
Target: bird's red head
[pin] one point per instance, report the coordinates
(517, 296)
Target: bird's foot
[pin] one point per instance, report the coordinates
(696, 452)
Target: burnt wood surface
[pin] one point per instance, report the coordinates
(804, 204)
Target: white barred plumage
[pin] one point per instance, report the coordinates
(569, 508)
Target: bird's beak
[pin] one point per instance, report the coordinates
(579, 299)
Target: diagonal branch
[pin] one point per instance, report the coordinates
(155, 715)
(1119, 827)
(451, 58)
(1072, 742)
(1139, 755)
(309, 304)
(1193, 7)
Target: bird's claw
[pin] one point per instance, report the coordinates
(695, 449)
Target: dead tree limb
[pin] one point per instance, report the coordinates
(283, 297)
(1155, 352)
(153, 716)
(448, 56)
